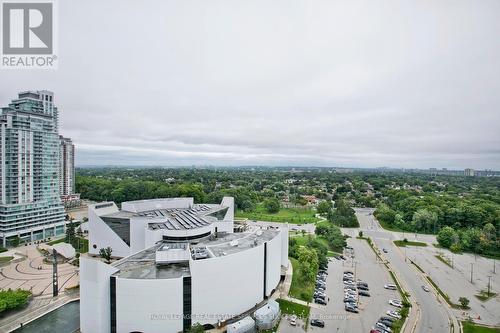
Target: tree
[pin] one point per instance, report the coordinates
(324, 207)
(70, 233)
(308, 263)
(272, 205)
(360, 234)
(424, 220)
(446, 237)
(464, 302)
(196, 328)
(105, 253)
(12, 299)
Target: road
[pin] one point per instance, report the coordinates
(433, 316)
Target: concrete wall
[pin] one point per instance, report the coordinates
(94, 295)
(103, 236)
(284, 245)
(227, 286)
(152, 306)
(153, 204)
(273, 272)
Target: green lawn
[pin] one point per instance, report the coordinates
(299, 289)
(4, 260)
(288, 307)
(291, 215)
(483, 295)
(302, 241)
(473, 328)
(402, 243)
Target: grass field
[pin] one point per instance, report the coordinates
(302, 241)
(402, 243)
(4, 260)
(300, 289)
(291, 215)
(473, 328)
(288, 307)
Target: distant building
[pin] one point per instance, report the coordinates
(66, 166)
(67, 173)
(30, 204)
(469, 172)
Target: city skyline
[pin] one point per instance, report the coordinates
(398, 92)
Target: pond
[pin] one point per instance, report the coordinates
(65, 319)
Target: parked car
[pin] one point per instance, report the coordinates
(394, 314)
(385, 251)
(386, 323)
(337, 257)
(396, 303)
(364, 293)
(382, 326)
(386, 319)
(348, 272)
(390, 286)
(320, 301)
(317, 323)
(350, 308)
(342, 257)
(293, 320)
(425, 288)
(363, 288)
(361, 283)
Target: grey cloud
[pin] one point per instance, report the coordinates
(282, 82)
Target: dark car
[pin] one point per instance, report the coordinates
(320, 301)
(351, 309)
(317, 323)
(363, 284)
(387, 323)
(342, 257)
(348, 272)
(337, 257)
(363, 288)
(364, 293)
(387, 319)
(385, 251)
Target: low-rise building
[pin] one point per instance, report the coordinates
(182, 264)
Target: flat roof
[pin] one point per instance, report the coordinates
(142, 265)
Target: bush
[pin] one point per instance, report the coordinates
(2, 249)
(12, 299)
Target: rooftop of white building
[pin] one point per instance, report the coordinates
(144, 264)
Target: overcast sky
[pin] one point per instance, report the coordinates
(326, 83)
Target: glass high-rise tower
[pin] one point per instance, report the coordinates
(30, 204)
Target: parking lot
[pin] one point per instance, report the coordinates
(367, 269)
(456, 281)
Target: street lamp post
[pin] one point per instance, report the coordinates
(471, 271)
(489, 285)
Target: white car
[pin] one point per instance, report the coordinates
(393, 314)
(390, 286)
(396, 303)
(293, 320)
(425, 288)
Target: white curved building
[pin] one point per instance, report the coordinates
(182, 265)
